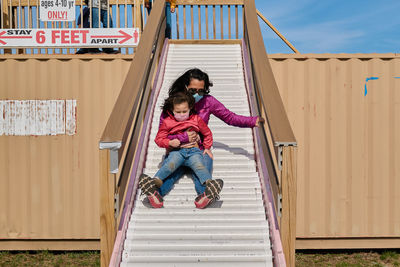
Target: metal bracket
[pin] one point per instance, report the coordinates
(116, 205)
(279, 205)
(280, 157)
(113, 147)
(280, 146)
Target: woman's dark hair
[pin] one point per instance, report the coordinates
(183, 81)
(178, 98)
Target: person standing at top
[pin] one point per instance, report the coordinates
(103, 5)
(169, 8)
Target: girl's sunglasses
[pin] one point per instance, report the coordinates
(193, 91)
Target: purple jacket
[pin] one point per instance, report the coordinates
(210, 105)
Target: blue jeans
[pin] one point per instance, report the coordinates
(168, 183)
(103, 14)
(168, 22)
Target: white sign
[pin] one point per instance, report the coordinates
(82, 37)
(57, 10)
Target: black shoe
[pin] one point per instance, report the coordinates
(82, 51)
(94, 51)
(110, 51)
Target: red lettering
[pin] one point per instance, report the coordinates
(84, 32)
(40, 38)
(54, 36)
(65, 37)
(49, 15)
(74, 37)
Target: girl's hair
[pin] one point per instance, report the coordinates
(183, 81)
(178, 98)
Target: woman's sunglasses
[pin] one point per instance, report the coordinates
(193, 91)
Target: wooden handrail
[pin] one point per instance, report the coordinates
(270, 98)
(34, 3)
(122, 113)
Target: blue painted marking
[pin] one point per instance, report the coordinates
(397, 77)
(366, 80)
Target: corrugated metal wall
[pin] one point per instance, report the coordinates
(49, 184)
(348, 157)
(349, 142)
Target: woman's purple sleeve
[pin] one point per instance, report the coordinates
(183, 137)
(220, 111)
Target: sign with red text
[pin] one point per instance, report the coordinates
(57, 10)
(98, 37)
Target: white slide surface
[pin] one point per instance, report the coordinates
(233, 231)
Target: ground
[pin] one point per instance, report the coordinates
(388, 258)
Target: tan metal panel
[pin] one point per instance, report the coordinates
(349, 143)
(49, 184)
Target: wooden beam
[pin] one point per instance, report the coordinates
(107, 216)
(289, 195)
(277, 32)
(210, 41)
(209, 2)
(348, 243)
(49, 244)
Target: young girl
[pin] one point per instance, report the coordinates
(181, 117)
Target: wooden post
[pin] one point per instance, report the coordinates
(107, 218)
(138, 15)
(6, 20)
(289, 195)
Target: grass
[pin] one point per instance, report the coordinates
(386, 258)
(316, 258)
(49, 258)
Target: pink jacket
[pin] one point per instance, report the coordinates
(210, 105)
(171, 126)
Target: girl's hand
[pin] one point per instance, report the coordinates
(260, 120)
(209, 153)
(193, 136)
(174, 143)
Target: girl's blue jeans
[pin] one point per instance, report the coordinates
(173, 167)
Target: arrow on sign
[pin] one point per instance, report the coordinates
(124, 35)
(11, 37)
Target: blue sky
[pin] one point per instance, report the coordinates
(332, 26)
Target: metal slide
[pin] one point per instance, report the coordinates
(233, 231)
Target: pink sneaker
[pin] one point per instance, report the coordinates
(156, 200)
(213, 188)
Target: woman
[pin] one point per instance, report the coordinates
(197, 83)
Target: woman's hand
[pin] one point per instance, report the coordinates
(209, 153)
(174, 143)
(193, 136)
(260, 120)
